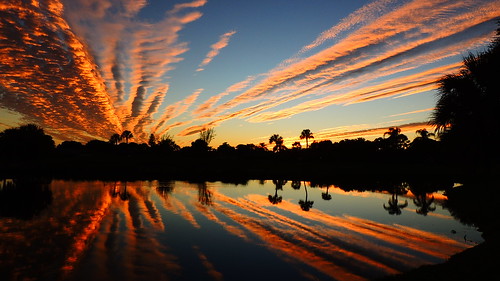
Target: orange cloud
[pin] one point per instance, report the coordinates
(176, 109)
(408, 38)
(100, 72)
(52, 81)
(215, 49)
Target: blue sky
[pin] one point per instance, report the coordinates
(86, 69)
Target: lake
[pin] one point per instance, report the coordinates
(174, 230)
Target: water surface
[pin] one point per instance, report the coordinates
(154, 230)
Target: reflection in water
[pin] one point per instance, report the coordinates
(394, 207)
(24, 199)
(204, 194)
(275, 199)
(306, 205)
(180, 231)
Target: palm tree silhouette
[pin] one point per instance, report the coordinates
(325, 195)
(306, 134)
(424, 205)
(278, 141)
(275, 199)
(127, 135)
(395, 139)
(468, 102)
(115, 139)
(305, 205)
(394, 207)
(424, 134)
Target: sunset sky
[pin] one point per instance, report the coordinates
(86, 69)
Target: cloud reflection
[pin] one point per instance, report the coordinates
(154, 230)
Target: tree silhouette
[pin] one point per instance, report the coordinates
(296, 185)
(424, 134)
(115, 139)
(424, 204)
(396, 140)
(27, 142)
(306, 134)
(126, 135)
(207, 135)
(167, 144)
(305, 205)
(326, 195)
(164, 189)
(296, 145)
(276, 199)
(278, 141)
(394, 208)
(204, 194)
(199, 145)
(262, 146)
(468, 101)
(152, 140)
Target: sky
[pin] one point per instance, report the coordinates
(86, 69)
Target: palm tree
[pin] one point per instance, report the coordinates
(127, 135)
(276, 199)
(278, 141)
(396, 140)
(424, 134)
(115, 139)
(306, 134)
(468, 102)
(394, 207)
(305, 205)
(326, 195)
(424, 204)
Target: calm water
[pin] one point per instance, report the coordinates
(152, 230)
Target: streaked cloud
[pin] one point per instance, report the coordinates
(101, 71)
(399, 50)
(48, 74)
(85, 69)
(215, 49)
(412, 112)
(175, 110)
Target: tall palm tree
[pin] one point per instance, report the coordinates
(115, 139)
(305, 205)
(278, 141)
(306, 134)
(276, 199)
(127, 135)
